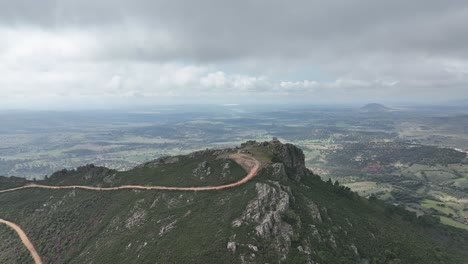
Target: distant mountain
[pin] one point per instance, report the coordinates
(285, 214)
(375, 108)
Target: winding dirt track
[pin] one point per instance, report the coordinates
(244, 160)
(247, 162)
(24, 239)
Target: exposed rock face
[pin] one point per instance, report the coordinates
(266, 211)
(293, 159)
(269, 212)
(226, 169)
(354, 249)
(331, 239)
(167, 228)
(202, 170)
(267, 207)
(252, 247)
(231, 246)
(135, 219)
(314, 210)
(278, 171)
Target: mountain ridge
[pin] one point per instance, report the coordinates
(284, 214)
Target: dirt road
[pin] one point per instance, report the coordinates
(24, 239)
(245, 161)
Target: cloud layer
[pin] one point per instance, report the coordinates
(57, 51)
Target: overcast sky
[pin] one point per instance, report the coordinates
(112, 53)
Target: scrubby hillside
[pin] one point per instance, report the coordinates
(285, 214)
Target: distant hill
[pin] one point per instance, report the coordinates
(285, 214)
(375, 108)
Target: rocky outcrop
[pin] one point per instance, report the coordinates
(135, 219)
(314, 211)
(226, 169)
(166, 228)
(202, 170)
(270, 213)
(265, 212)
(138, 215)
(287, 154)
(278, 171)
(231, 246)
(292, 157)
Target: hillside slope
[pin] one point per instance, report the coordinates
(285, 214)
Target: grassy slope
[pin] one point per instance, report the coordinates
(126, 226)
(172, 174)
(180, 173)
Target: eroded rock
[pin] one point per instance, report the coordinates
(202, 170)
(278, 171)
(265, 212)
(231, 246)
(292, 157)
(135, 219)
(315, 212)
(166, 228)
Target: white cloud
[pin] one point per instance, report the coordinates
(216, 79)
(53, 51)
(299, 85)
(235, 83)
(22, 45)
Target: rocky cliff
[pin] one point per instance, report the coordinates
(292, 158)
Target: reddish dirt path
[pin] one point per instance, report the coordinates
(247, 162)
(244, 160)
(24, 238)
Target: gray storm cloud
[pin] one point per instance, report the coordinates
(356, 50)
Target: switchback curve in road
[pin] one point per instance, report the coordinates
(244, 160)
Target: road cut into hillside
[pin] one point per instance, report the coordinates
(246, 161)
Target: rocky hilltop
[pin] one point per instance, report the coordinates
(285, 214)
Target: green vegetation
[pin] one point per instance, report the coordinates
(428, 179)
(438, 206)
(391, 153)
(309, 219)
(205, 168)
(11, 182)
(11, 249)
(400, 156)
(448, 221)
